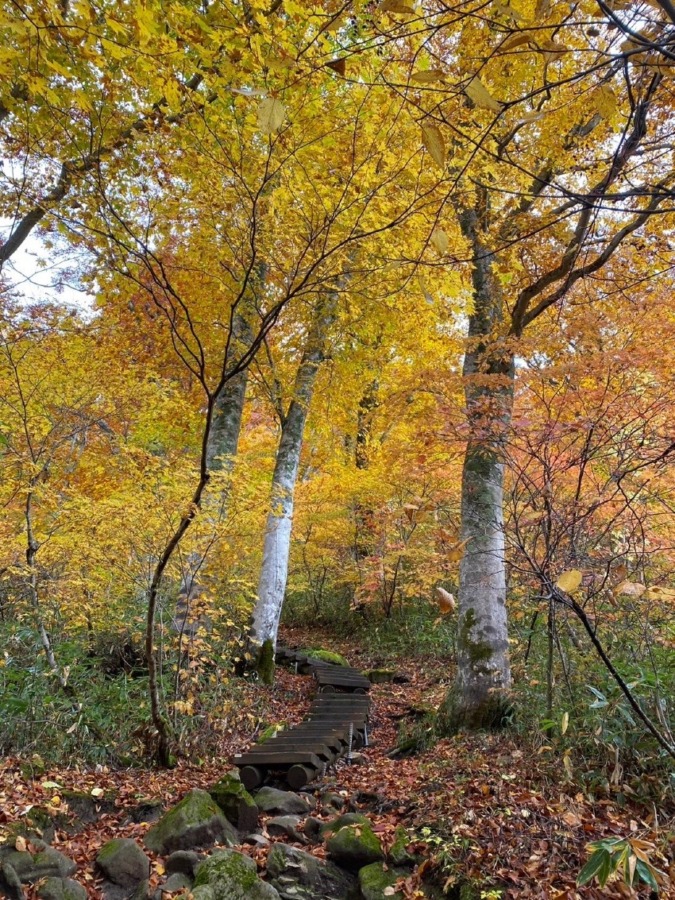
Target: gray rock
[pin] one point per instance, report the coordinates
(146, 811)
(298, 875)
(123, 862)
(10, 883)
(232, 876)
(330, 798)
(286, 826)
(184, 861)
(113, 891)
(375, 879)
(143, 891)
(44, 864)
(312, 828)
(282, 803)
(88, 809)
(256, 840)
(235, 801)
(203, 892)
(61, 889)
(175, 883)
(333, 825)
(196, 821)
(355, 846)
(21, 863)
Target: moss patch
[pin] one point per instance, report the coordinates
(375, 879)
(195, 822)
(232, 876)
(265, 662)
(354, 846)
(328, 656)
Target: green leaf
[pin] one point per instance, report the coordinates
(646, 873)
(597, 863)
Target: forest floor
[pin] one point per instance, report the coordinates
(485, 807)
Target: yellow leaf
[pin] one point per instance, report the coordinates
(97, 792)
(21, 844)
(516, 40)
(428, 76)
(479, 94)
(433, 141)
(271, 115)
(396, 6)
(440, 240)
(565, 722)
(570, 580)
(604, 100)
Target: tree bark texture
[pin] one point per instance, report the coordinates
(277, 543)
(480, 695)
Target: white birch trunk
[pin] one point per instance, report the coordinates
(277, 544)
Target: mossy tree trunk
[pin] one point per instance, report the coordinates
(480, 695)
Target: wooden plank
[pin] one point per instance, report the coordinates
(296, 746)
(278, 759)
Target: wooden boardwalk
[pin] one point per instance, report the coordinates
(335, 724)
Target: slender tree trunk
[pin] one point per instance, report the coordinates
(480, 695)
(277, 545)
(363, 514)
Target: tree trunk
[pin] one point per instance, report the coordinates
(228, 410)
(480, 695)
(277, 545)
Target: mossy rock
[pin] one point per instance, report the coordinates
(235, 801)
(61, 889)
(375, 879)
(355, 846)
(123, 862)
(283, 803)
(232, 876)
(88, 809)
(329, 656)
(398, 854)
(197, 821)
(300, 875)
(351, 818)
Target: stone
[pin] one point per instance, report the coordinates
(235, 801)
(329, 656)
(376, 878)
(10, 883)
(256, 840)
(123, 862)
(202, 892)
(286, 826)
(44, 864)
(143, 892)
(282, 803)
(333, 825)
(232, 876)
(179, 881)
(196, 821)
(312, 828)
(112, 891)
(184, 861)
(298, 875)
(354, 846)
(330, 798)
(61, 889)
(398, 855)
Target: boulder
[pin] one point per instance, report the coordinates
(61, 889)
(398, 855)
(184, 861)
(235, 801)
(282, 803)
(256, 840)
(300, 876)
(231, 876)
(196, 821)
(144, 891)
(286, 826)
(123, 862)
(328, 656)
(330, 798)
(176, 883)
(333, 825)
(355, 846)
(312, 828)
(376, 882)
(46, 863)
(10, 883)
(379, 676)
